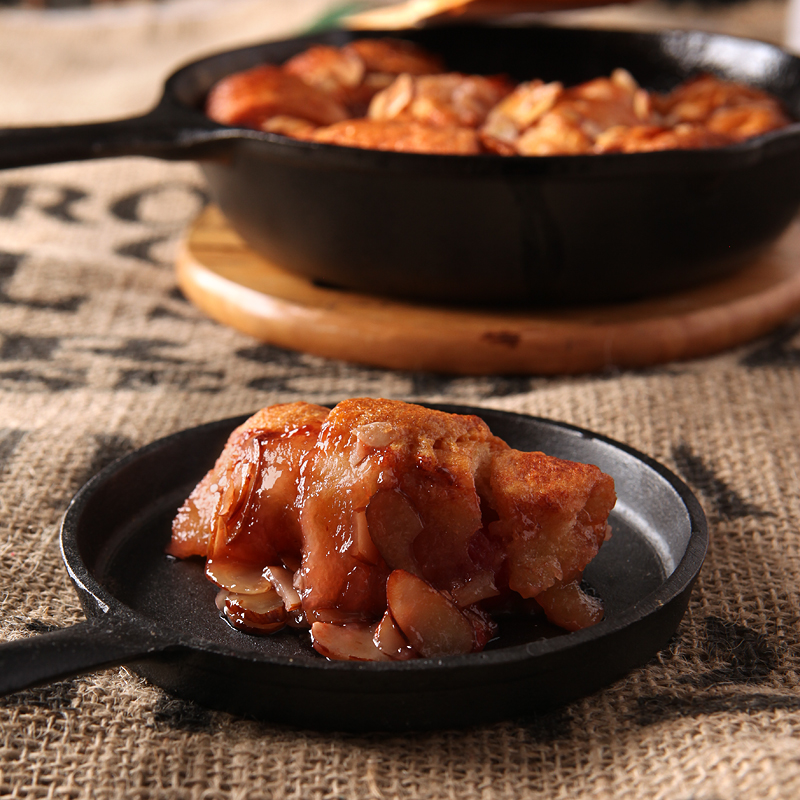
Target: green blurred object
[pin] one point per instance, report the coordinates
(332, 17)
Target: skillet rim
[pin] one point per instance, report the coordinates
(670, 591)
(738, 155)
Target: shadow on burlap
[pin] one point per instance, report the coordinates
(100, 354)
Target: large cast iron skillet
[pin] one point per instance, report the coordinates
(482, 229)
(158, 615)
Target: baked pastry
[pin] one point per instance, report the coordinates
(391, 529)
(389, 94)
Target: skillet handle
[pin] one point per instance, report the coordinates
(65, 652)
(167, 131)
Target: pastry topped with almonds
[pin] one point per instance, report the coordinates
(389, 94)
(390, 530)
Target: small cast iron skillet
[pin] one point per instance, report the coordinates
(157, 615)
(484, 229)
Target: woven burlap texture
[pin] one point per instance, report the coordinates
(100, 354)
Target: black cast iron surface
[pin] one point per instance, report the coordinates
(484, 230)
(158, 616)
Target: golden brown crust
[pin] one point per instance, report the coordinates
(394, 56)
(399, 136)
(696, 99)
(251, 97)
(553, 517)
(746, 121)
(649, 138)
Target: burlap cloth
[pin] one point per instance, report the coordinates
(99, 354)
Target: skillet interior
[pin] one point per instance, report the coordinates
(113, 543)
(489, 230)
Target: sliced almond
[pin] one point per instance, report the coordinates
(237, 577)
(376, 434)
(390, 640)
(239, 484)
(622, 78)
(432, 624)
(363, 547)
(569, 607)
(393, 526)
(393, 100)
(351, 642)
(480, 587)
(370, 436)
(282, 581)
(334, 616)
(255, 613)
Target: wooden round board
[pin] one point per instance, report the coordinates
(232, 284)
